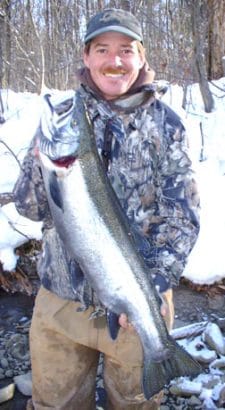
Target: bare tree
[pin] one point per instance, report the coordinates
(198, 42)
(100, 4)
(126, 5)
(44, 40)
(5, 42)
(1, 46)
(216, 38)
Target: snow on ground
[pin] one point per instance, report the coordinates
(207, 148)
(206, 134)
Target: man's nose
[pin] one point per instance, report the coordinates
(118, 61)
(115, 60)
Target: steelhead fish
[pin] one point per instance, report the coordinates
(92, 225)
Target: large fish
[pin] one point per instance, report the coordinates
(96, 233)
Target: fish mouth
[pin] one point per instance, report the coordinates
(64, 162)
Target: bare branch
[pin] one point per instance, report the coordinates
(9, 149)
(11, 224)
(6, 197)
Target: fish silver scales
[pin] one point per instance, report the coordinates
(96, 233)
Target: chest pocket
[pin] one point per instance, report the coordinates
(137, 157)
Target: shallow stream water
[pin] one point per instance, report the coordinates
(190, 306)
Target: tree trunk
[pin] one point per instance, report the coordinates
(216, 38)
(223, 65)
(125, 5)
(199, 56)
(5, 43)
(1, 47)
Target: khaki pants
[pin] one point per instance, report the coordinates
(65, 348)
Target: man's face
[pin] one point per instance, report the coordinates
(114, 63)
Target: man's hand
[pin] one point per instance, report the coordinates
(125, 324)
(164, 308)
(123, 321)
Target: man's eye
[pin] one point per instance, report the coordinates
(101, 50)
(127, 51)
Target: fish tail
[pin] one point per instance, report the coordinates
(157, 375)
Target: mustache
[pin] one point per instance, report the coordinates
(115, 71)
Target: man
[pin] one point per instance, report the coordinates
(143, 147)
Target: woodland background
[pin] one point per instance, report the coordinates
(41, 41)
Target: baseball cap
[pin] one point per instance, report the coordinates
(117, 20)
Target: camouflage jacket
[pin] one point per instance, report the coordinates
(148, 165)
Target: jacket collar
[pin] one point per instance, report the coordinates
(140, 91)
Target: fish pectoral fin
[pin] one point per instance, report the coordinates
(113, 324)
(55, 190)
(157, 375)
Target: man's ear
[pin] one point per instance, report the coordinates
(85, 59)
(141, 64)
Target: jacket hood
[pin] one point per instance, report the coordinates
(144, 81)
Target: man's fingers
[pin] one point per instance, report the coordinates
(125, 324)
(123, 321)
(164, 307)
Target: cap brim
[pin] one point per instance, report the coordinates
(117, 29)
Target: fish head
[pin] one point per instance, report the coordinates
(59, 136)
